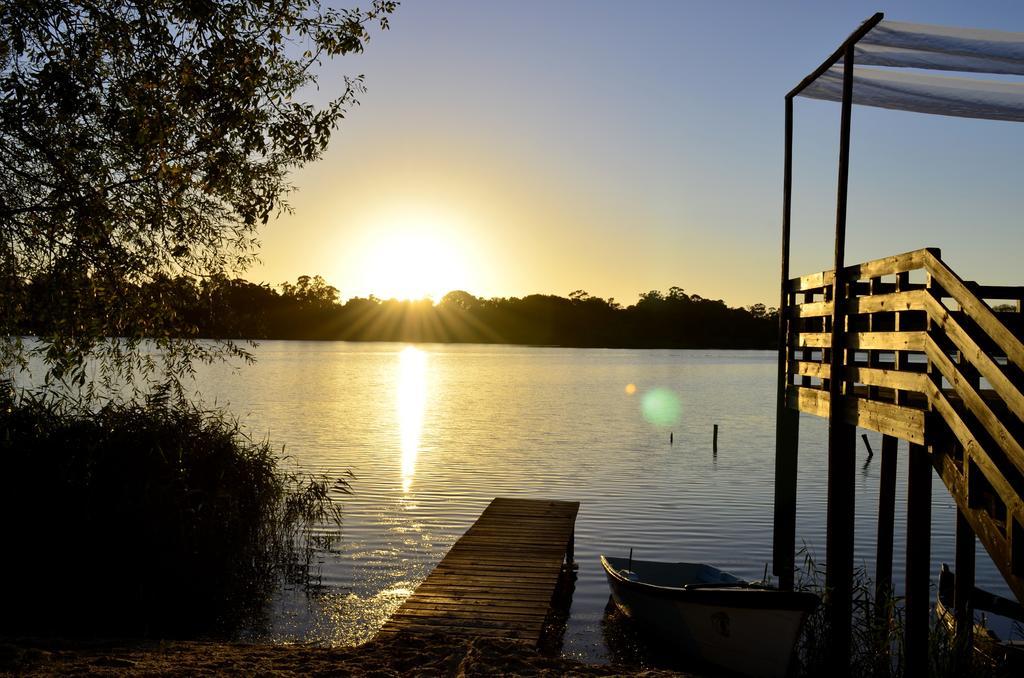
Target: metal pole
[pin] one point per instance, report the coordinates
(841, 435)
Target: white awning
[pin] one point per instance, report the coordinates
(878, 55)
(968, 42)
(937, 94)
(895, 44)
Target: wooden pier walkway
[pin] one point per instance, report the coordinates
(499, 578)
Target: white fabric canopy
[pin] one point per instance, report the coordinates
(968, 42)
(878, 55)
(920, 46)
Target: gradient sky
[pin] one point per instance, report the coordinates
(538, 146)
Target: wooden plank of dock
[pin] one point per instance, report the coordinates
(499, 578)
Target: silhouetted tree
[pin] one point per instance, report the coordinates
(313, 292)
(309, 309)
(140, 140)
(460, 300)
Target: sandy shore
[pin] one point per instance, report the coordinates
(398, 656)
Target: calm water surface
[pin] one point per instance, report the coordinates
(434, 432)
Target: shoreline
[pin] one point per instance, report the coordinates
(400, 655)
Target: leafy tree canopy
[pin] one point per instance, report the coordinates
(145, 140)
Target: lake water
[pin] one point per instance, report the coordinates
(433, 433)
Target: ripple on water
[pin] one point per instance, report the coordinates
(433, 436)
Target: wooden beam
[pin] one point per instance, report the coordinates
(787, 421)
(814, 309)
(1007, 292)
(941, 318)
(895, 420)
(963, 587)
(845, 49)
(812, 282)
(978, 310)
(974, 452)
(877, 303)
(906, 423)
(954, 475)
(917, 605)
(876, 376)
(886, 524)
(863, 341)
(814, 340)
(875, 287)
(898, 263)
(893, 341)
(884, 597)
(913, 300)
(961, 385)
(842, 465)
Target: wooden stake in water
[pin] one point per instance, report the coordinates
(864, 437)
(714, 441)
(629, 567)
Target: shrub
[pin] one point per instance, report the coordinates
(145, 517)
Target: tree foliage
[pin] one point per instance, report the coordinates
(310, 309)
(142, 142)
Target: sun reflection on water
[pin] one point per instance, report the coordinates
(412, 399)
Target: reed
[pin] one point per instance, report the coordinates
(877, 647)
(151, 517)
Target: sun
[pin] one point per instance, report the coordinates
(411, 266)
(416, 259)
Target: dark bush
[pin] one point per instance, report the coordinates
(144, 518)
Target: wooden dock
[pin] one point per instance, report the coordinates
(937, 362)
(499, 578)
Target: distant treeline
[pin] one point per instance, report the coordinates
(310, 309)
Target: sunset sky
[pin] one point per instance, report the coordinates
(521, 147)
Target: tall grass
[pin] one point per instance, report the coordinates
(877, 643)
(152, 517)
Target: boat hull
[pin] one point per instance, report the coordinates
(740, 630)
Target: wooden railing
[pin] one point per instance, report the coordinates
(925, 359)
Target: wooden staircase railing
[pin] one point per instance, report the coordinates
(930, 362)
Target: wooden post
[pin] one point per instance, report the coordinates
(883, 553)
(570, 548)
(963, 587)
(886, 522)
(900, 361)
(963, 566)
(841, 435)
(787, 421)
(714, 440)
(874, 287)
(919, 528)
(867, 445)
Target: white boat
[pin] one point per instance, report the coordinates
(711, 615)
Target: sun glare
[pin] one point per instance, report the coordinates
(413, 260)
(412, 399)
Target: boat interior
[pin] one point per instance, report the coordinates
(670, 574)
